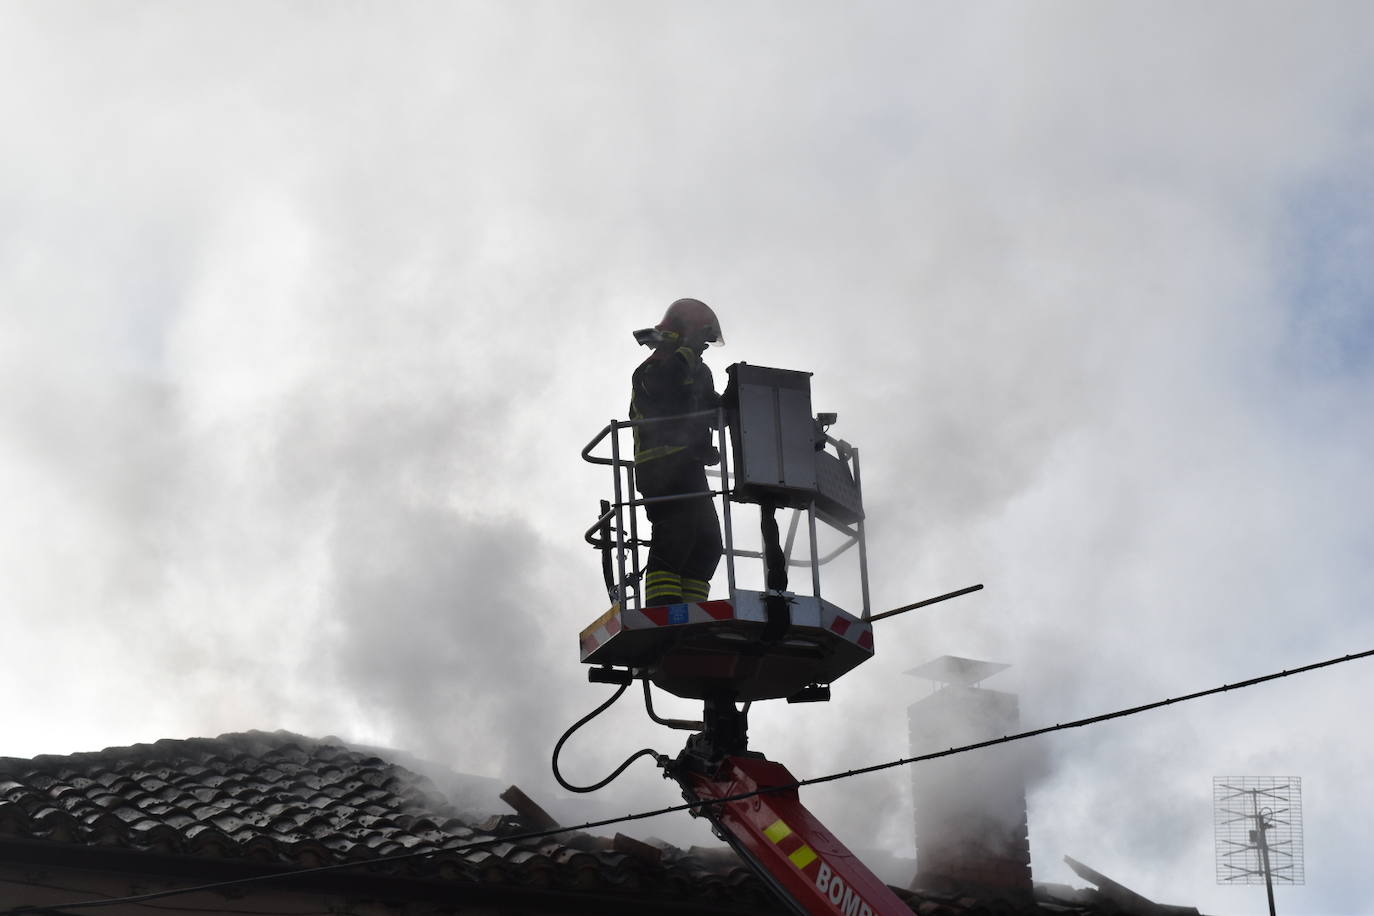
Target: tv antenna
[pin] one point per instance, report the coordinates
(1258, 821)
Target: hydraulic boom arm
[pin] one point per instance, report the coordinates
(781, 840)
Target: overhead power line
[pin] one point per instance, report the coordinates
(58, 909)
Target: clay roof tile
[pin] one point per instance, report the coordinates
(288, 800)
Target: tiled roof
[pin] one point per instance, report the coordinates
(285, 800)
(279, 800)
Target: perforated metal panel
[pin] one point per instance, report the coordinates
(837, 495)
(1258, 818)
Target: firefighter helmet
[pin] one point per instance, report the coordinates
(692, 318)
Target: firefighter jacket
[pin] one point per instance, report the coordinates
(667, 384)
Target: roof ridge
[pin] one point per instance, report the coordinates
(241, 740)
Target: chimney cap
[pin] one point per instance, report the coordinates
(953, 670)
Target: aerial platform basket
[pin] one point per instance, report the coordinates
(750, 645)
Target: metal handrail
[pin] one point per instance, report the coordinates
(728, 530)
(586, 452)
(859, 527)
(631, 545)
(612, 513)
(616, 425)
(627, 543)
(605, 517)
(800, 564)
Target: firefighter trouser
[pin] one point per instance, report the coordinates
(685, 544)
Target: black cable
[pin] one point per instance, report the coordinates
(672, 809)
(1079, 723)
(645, 752)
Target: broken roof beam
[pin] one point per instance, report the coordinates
(535, 817)
(1129, 901)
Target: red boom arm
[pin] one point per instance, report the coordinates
(779, 837)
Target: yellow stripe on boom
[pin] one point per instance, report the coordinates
(778, 831)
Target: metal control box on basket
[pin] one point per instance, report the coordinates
(779, 446)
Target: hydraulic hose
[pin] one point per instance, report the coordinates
(557, 748)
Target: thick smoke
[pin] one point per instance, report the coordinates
(301, 334)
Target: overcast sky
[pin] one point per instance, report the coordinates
(306, 310)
